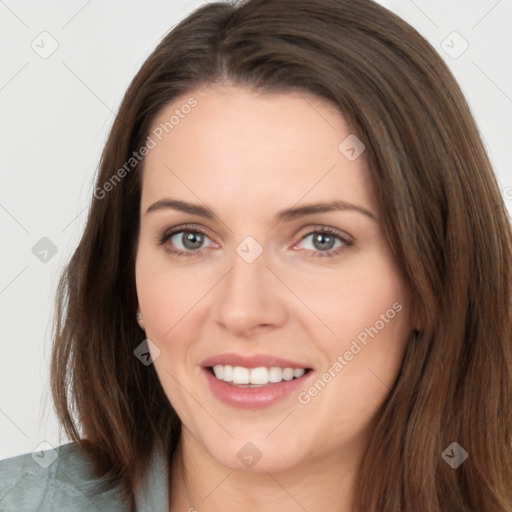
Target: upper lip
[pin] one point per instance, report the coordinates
(252, 361)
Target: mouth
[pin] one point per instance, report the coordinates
(242, 377)
(254, 381)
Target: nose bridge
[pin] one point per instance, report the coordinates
(247, 277)
(248, 295)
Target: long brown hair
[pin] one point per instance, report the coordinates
(441, 210)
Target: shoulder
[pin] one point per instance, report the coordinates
(59, 479)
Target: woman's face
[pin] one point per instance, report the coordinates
(260, 249)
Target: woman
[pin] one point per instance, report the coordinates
(293, 288)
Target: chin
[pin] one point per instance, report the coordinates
(255, 454)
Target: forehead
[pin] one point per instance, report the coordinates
(249, 147)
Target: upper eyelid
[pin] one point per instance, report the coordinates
(185, 227)
(168, 233)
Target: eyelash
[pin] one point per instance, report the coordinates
(163, 238)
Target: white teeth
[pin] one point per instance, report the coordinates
(288, 374)
(218, 369)
(275, 374)
(240, 375)
(259, 375)
(256, 376)
(227, 374)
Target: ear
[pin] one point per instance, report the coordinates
(140, 318)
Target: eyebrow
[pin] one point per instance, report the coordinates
(284, 215)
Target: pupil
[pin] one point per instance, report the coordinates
(322, 238)
(192, 240)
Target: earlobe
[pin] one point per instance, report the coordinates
(140, 319)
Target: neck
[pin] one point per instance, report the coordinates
(199, 483)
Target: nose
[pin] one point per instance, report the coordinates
(250, 299)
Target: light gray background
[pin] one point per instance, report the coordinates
(55, 115)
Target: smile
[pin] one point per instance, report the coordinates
(255, 377)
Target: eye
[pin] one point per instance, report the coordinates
(326, 242)
(192, 241)
(184, 241)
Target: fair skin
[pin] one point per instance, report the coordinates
(247, 156)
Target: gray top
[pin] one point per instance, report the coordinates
(61, 479)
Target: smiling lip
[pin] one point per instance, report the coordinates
(251, 361)
(252, 397)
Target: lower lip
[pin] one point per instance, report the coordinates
(253, 398)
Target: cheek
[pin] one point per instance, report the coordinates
(366, 309)
(352, 297)
(168, 294)
(168, 298)
(374, 326)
